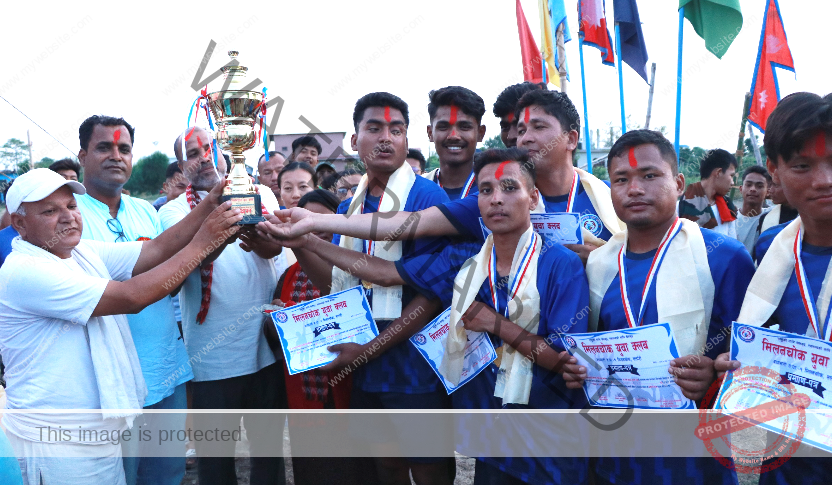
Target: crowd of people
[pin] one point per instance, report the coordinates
(112, 304)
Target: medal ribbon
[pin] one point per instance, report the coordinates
(369, 245)
(522, 266)
(654, 269)
(466, 189)
(823, 332)
(573, 192)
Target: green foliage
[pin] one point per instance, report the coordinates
(44, 162)
(493, 142)
(433, 162)
(14, 154)
(148, 174)
(600, 171)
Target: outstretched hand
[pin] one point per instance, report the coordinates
(288, 223)
(218, 227)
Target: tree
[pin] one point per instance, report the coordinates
(493, 142)
(433, 162)
(14, 154)
(44, 162)
(148, 174)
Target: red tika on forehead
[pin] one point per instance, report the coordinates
(820, 144)
(199, 140)
(387, 117)
(499, 172)
(631, 154)
(510, 117)
(188, 136)
(527, 116)
(117, 135)
(452, 121)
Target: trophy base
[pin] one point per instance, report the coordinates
(249, 205)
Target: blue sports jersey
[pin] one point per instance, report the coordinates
(564, 296)
(732, 270)
(765, 240)
(402, 368)
(464, 214)
(791, 316)
(6, 236)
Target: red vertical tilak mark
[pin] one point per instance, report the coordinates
(499, 172)
(820, 144)
(510, 117)
(452, 121)
(526, 116)
(387, 117)
(199, 140)
(116, 135)
(188, 136)
(631, 154)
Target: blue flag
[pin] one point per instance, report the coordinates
(633, 48)
(558, 11)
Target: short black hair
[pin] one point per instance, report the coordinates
(272, 153)
(634, 138)
(463, 98)
(716, 159)
(417, 155)
(306, 141)
(757, 169)
(507, 100)
(499, 155)
(328, 183)
(554, 103)
(298, 166)
(85, 130)
(321, 196)
(378, 100)
(66, 164)
(795, 120)
(173, 169)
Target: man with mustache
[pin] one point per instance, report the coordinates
(63, 332)
(220, 303)
(455, 129)
(697, 279)
(110, 216)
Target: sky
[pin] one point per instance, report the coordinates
(138, 60)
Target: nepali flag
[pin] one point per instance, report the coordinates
(593, 30)
(532, 62)
(774, 52)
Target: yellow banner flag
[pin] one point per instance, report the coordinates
(547, 44)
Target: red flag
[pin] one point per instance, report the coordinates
(532, 64)
(774, 51)
(592, 16)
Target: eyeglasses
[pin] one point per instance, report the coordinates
(345, 190)
(115, 227)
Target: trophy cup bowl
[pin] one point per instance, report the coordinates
(235, 113)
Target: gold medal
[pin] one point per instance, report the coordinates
(367, 285)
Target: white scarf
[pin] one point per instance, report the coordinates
(769, 282)
(514, 382)
(599, 195)
(118, 373)
(431, 175)
(684, 285)
(772, 219)
(387, 301)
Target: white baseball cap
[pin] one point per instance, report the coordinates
(36, 185)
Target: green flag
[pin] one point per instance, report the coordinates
(717, 21)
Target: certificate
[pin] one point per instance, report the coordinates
(801, 364)
(628, 368)
(562, 227)
(308, 328)
(430, 342)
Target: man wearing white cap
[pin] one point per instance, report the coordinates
(63, 334)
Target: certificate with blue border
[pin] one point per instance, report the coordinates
(562, 227)
(308, 328)
(802, 364)
(430, 342)
(628, 368)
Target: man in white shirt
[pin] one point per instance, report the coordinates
(63, 334)
(110, 216)
(706, 202)
(221, 305)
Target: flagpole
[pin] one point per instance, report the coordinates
(562, 58)
(620, 78)
(679, 80)
(586, 112)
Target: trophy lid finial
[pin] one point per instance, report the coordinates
(233, 54)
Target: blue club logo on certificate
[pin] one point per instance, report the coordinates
(746, 334)
(281, 317)
(420, 339)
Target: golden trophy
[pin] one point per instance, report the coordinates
(236, 112)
